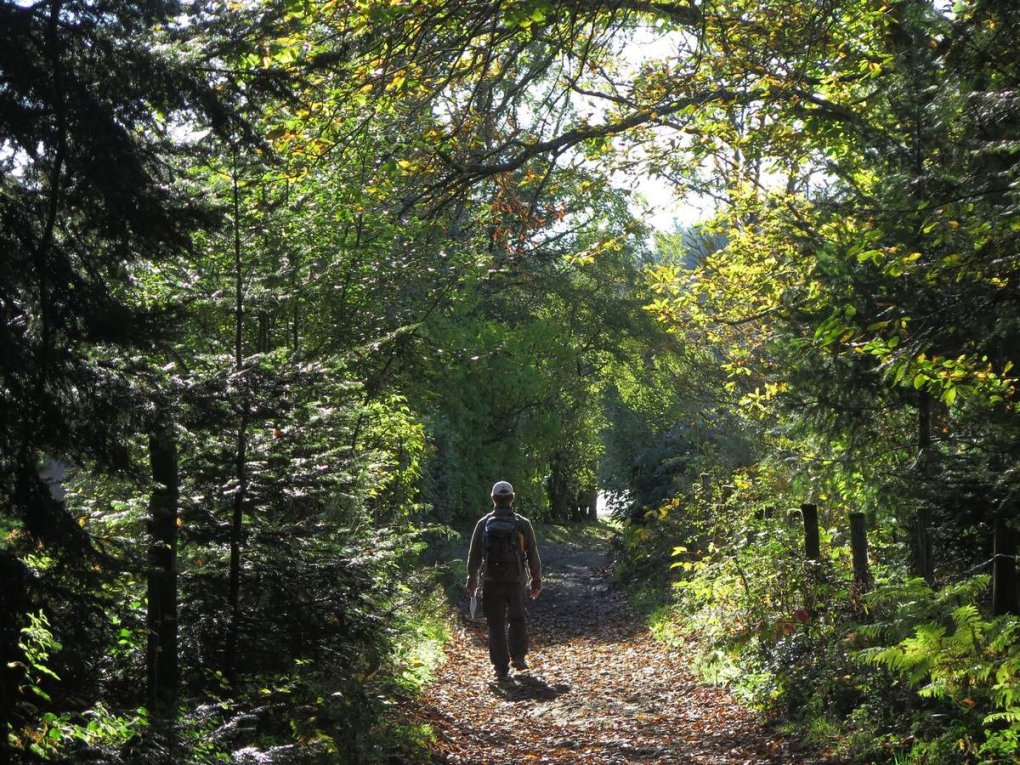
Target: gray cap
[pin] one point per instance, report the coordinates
(502, 489)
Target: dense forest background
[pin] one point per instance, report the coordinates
(285, 285)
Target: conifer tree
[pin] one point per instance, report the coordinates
(91, 97)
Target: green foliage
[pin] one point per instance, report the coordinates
(855, 306)
(57, 736)
(405, 273)
(419, 649)
(37, 644)
(337, 705)
(949, 651)
(53, 735)
(795, 637)
(319, 682)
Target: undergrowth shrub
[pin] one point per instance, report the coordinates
(358, 628)
(904, 673)
(915, 674)
(940, 644)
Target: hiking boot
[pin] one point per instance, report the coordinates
(502, 673)
(520, 664)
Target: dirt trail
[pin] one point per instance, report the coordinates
(600, 688)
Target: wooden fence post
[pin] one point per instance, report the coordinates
(812, 546)
(859, 551)
(1004, 574)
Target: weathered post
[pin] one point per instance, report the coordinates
(859, 551)
(706, 487)
(812, 545)
(1004, 574)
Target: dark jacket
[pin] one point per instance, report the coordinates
(477, 550)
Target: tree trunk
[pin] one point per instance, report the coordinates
(1004, 575)
(924, 566)
(240, 455)
(586, 500)
(161, 652)
(559, 491)
(859, 551)
(812, 545)
(265, 324)
(236, 530)
(706, 487)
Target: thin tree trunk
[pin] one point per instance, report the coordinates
(296, 304)
(240, 461)
(559, 491)
(923, 564)
(236, 530)
(265, 323)
(161, 653)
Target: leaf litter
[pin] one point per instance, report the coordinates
(600, 689)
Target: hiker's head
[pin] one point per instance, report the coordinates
(502, 494)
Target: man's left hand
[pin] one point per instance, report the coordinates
(535, 592)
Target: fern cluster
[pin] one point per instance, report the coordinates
(940, 644)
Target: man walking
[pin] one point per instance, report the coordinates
(505, 542)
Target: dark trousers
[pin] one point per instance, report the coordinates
(503, 603)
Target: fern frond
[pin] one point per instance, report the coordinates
(936, 689)
(1006, 634)
(1011, 715)
(871, 631)
(968, 590)
(967, 616)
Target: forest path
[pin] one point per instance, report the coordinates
(600, 689)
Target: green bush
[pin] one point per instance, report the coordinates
(941, 645)
(904, 674)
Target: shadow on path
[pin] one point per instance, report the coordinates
(527, 687)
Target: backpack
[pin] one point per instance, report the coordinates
(502, 544)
